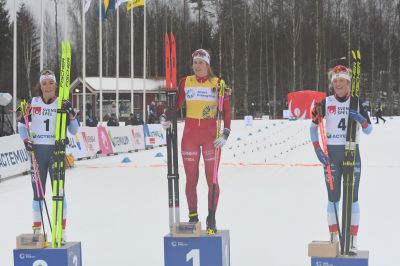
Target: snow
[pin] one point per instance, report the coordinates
(273, 200)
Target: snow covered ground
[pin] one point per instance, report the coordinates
(273, 200)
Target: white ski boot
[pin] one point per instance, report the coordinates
(353, 246)
(63, 237)
(334, 237)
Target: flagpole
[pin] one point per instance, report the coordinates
(132, 64)
(101, 63)
(83, 114)
(144, 64)
(41, 34)
(117, 69)
(15, 67)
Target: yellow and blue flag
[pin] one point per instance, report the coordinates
(135, 3)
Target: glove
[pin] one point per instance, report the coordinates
(321, 156)
(28, 144)
(67, 106)
(165, 123)
(356, 116)
(220, 142)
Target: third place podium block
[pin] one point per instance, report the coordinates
(197, 251)
(67, 255)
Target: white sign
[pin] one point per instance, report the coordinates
(90, 138)
(14, 159)
(76, 145)
(154, 135)
(286, 114)
(120, 139)
(137, 137)
(248, 121)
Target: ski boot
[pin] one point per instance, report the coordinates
(63, 237)
(334, 237)
(211, 225)
(37, 230)
(353, 246)
(193, 217)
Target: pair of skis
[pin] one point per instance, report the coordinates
(349, 159)
(350, 156)
(172, 136)
(60, 144)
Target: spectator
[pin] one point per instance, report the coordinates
(113, 121)
(131, 120)
(91, 121)
(138, 120)
(160, 109)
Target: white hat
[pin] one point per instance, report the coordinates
(201, 54)
(340, 72)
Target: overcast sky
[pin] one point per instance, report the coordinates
(33, 5)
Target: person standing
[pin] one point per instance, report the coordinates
(336, 111)
(200, 91)
(42, 142)
(378, 115)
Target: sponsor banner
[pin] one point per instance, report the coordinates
(90, 139)
(120, 139)
(137, 137)
(103, 140)
(154, 135)
(14, 159)
(248, 121)
(76, 145)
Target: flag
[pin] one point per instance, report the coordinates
(135, 3)
(106, 6)
(87, 5)
(120, 2)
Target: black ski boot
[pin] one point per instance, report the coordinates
(211, 225)
(193, 217)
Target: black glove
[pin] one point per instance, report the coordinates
(28, 144)
(67, 106)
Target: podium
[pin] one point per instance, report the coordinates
(361, 259)
(69, 254)
(205, 250)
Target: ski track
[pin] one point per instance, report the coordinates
(273, 200)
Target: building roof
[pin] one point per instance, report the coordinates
(109, 85)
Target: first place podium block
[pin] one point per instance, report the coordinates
(67, 255)
(197, 251)
(361, 259)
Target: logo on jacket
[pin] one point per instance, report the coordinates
(332, 109)
(190, 94)
(37, 110)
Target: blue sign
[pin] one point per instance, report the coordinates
(197, 251)
(67, 255)
(360, 260)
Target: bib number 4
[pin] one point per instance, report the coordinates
(342, 124)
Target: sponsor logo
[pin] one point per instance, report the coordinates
(332, 109)
(37, 110)
(175, 244)
(190, 94)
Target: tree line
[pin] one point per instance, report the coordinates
(263, 48)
